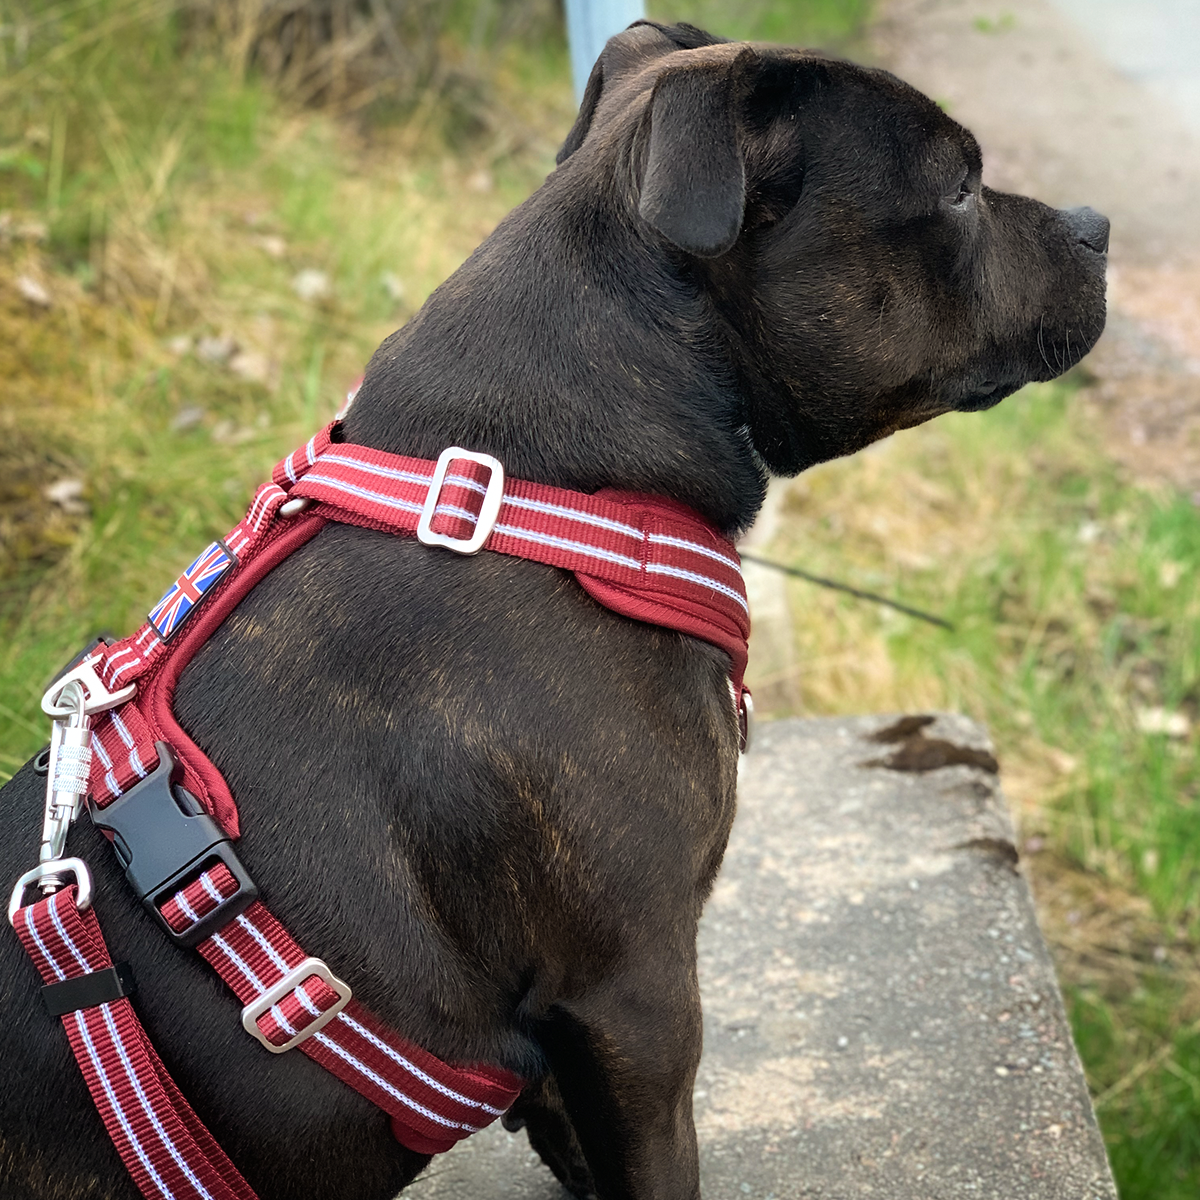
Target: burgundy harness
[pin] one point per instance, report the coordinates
(115, 737)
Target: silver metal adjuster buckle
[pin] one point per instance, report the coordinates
(276, 992)
(488, 513)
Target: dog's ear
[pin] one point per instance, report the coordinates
(587, 110)
(624, 52)
(694, 181)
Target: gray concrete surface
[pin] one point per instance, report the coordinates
(881, 1015)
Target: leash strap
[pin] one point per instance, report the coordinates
(164, 1145)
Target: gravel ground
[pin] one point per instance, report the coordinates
(1057, 120)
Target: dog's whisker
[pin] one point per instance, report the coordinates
(1041, 343)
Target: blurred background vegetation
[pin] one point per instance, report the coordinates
(212, 211)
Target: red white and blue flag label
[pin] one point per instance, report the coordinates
(190, 588)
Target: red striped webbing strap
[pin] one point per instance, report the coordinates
(643, 556)
(432, 1104)
(166, 1148)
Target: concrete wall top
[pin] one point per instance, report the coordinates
(881, 1014)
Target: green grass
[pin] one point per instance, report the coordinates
(1146, 1069)
(1074, 600)
(830, 24)
(185, 203)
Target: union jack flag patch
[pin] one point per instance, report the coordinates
(189, 589)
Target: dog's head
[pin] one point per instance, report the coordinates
(862, 276)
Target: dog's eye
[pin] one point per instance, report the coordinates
(962, 195)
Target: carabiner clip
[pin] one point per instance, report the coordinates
(70, 768)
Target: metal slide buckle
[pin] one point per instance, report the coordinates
(77, 867)
(488, 513)
(276, 992)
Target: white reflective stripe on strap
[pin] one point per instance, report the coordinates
(383, 1085)
(665, 539)
(110, 1095)
(331, 456)
(695, 577)
(66, 938)
(561, 543)
(110, 780)
(270, 951)
(364, 493)
(236, 959)
(164, 1138)
(573, 514)
(413, 1069)
(29, 924)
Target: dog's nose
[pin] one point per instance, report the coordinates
(1089, 227)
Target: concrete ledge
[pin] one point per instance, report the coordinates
(881, 1014)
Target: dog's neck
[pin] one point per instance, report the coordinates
(580, 356)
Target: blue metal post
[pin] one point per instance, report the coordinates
(590, 23)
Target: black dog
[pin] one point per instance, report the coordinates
(506, 803)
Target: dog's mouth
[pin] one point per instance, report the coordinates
(984, 394)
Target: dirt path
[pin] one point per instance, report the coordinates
(1059, 122)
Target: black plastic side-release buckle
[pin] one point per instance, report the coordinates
(164, 839)
(86, 991)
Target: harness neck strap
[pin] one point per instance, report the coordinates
(646, 557)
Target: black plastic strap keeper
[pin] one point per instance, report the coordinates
(86, 991)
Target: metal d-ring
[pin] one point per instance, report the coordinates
(76, 866)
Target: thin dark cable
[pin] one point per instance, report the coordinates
(845, 587)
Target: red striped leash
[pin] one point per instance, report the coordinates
(164, 1145)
